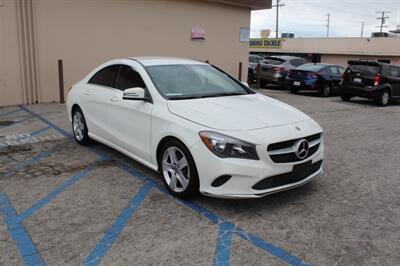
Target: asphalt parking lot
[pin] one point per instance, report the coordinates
(61, 203)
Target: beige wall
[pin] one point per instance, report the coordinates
(86, 33)
(10, 76)
(341, 60)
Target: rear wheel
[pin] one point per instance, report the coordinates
(179, 170)
(326, 90)
(294, 90)
(250, 78)
(345, 98)
(383, 98)
(79, 127)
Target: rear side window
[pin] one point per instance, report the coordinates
(366, 70)
(393, 71)
(105, 76)
(129, 78)
(333, 71)
(273, 61)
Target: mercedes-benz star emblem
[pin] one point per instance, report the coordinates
(302, 149)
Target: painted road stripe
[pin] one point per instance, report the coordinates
(52, 195)
(102, 247)
(27, 248)
(223, 247)
(62, 131)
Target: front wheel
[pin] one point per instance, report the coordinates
(179, 170)
(383, 98)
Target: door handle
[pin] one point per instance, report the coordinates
(87, 92)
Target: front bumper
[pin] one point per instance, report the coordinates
(245, 174)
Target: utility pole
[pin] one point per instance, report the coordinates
(328, 21)
(278, 5)
(382, 18)
(362, 29)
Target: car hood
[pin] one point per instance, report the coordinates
(237, 113)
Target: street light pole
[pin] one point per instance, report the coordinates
(278, 5)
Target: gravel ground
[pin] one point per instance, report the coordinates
(63, 204)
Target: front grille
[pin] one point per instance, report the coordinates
(285, 151)
(287, 178)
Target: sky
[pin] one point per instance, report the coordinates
(307, 18)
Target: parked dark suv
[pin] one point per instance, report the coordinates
(372, 80)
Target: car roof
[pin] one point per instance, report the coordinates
(321, 64)
(284, 57)
(159, 61)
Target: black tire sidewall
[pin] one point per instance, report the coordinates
(193, 187)
(86, 140)
(380, 98)
(323, 92)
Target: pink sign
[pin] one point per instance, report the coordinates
(198, 34)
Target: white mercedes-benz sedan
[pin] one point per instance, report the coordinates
(203, 130)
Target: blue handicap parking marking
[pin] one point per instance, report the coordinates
(226, 229)
(102, 247)
(26, 247)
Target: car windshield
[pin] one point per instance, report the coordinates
(310, 67)
(366, 70)
(177, 82)
(273, 61)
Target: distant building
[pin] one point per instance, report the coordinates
(331, 50)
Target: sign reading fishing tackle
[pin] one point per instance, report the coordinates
(265, 43)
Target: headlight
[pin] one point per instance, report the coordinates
(227, 147)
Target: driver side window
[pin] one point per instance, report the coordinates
(129, 78)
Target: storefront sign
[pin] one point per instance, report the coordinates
(198, 34)
(266, 43)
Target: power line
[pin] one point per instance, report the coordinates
(278, 5)
(383, 19)
(328, 20)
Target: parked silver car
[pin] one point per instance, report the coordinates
(274, 69)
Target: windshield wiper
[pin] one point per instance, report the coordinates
(222, 94)
(183, 97)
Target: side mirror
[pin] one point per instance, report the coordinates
(245, 84)
(135, 94)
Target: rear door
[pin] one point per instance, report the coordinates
(335, 76)
(96, 100)
(392, 74)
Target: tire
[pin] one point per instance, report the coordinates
(345, 98)
(294, 90)
(79, 127)
(383, 98)
(178, 169)
(250, 78)
(326, 90)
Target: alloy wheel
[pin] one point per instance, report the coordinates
(78, 126)
(385, 98)
(175, 169)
